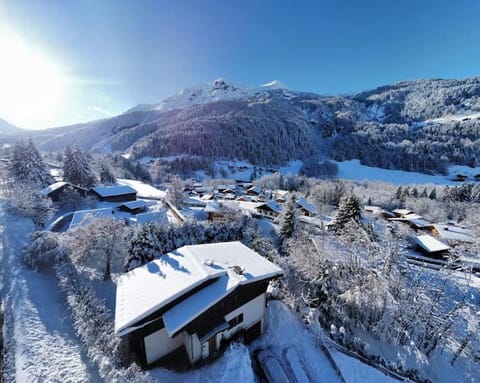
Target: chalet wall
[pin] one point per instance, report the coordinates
(159, 344)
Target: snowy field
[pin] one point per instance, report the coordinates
(353, 170)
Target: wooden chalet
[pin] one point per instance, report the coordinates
(55, 190)
(431, 246)
(133, 207)
(270, 209)
(254, 190)
(305, 207)
(191, 302)
(117, 193)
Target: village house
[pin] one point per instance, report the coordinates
(431, 246)
(117, 193)
(133, 207)
(305, 207)
(55, 190)
(189, 303)
(270, 209)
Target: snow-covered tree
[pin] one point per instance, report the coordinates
(26, 200)
(175, 192)
(43, 250)
(143, 247)
(76, 167)
(99, 248)
(27, 165)
(106, 174)
(288, 219)
(348, 211)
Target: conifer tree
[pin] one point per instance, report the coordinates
(27, 165)
(106, 175)
(143, 247)
(349, 210)
(288, 219)
(76, 168)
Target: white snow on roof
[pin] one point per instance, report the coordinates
(303, 203)
(134, 204)
(158, 217)
(430, 244)
(84, 217)
(272, 205)
(148, 288)
(402, 212)
(212, 207)
(109, 191)
(143, 190)
(52, 187)
(452, 232)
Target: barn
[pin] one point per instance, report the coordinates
(189, 303)
(118, 193)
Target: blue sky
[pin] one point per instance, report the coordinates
(112, 55)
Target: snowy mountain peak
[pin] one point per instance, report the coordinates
(218, 90)
(275, 84)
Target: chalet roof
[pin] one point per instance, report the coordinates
(430, 244)
(84, 217)
(110, 191)
(255, 189)
(402, 212)
(143, 190)
(304, 204)
(212, 207)
(51, 188)
(151, 287)
(270, 205)
(132, 205)
(453, 232)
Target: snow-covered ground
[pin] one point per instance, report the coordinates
(41, 345)
(354, 170)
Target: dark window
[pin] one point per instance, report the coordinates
(235, 321)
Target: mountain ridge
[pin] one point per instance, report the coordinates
(403, 125)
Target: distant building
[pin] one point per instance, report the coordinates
(133, 207)
(270, 209)
(431, 246)
(117, 193)
(55, 190)
(305, 207)
(191, 302)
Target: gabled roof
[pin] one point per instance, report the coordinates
(51, 188)
(255, 189)
(132, 205)
(84, 217)
(430, 244)
(270, 205)
(153, 286)
(453, 232)
(110, 191)
(304, 204)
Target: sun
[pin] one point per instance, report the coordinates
(32, 86)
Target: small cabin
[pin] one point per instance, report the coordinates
(431, 246)
(189, 304)
(55, 190)
(305, 207)
(117, 193)
(133, 207)
(270, 209)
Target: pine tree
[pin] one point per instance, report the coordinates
(76, 168)
(433, 194)
(399, 193)
(106, 175)
(27, 165)
(414, 192)
(143, 247)
(349, 210)
(424, 193)
(288, 219)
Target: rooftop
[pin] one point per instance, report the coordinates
(110, 191)
(151, 287)
(430, 244)
(84, 217)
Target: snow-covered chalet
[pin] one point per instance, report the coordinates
(192, 301)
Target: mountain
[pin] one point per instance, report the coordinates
(9, 129)
(421, 125)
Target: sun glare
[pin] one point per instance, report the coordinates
(31, 85)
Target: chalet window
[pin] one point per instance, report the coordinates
(235, 321)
